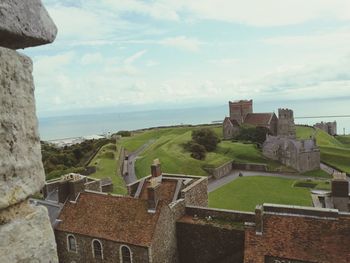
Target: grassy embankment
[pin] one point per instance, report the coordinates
(168, 148)
(245, 193)
(106, 163)
(335, 151)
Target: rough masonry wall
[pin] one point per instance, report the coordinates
(25, 231)
(164, 244)
(300, 239)
(197, 193)
(111, 250)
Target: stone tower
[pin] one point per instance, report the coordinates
(286, 126)
(240, 109)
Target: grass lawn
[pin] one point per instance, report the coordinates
(106, 166)
(245, 193)
(334, 150)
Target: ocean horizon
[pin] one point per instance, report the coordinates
(60, 127)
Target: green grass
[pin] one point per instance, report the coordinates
(317, 173)
(106, 166)
(168, 148)
(245, 193)
(334, 150)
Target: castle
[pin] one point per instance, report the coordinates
(329, 127)
(165, 218)
(281, 145)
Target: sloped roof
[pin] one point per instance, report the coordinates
(167, 190)
(258, 119)
(118, 218)
(232, 121)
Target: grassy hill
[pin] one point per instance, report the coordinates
(168, 148)
(106, 164)
(335, 151)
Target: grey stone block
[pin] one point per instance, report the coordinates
(25, 23)
(21, 169)
(26, 235)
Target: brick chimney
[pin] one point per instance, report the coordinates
(340, 185)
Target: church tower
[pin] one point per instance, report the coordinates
(240, 109)
(286, 126)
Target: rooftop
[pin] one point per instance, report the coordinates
(258, 118)
(117, 218)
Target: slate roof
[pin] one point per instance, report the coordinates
(258, 119)
(53, 209)
(118, 218)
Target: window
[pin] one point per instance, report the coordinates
(126, 256)
(71, 243)
(97, 250)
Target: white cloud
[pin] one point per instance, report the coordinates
(182, 42)
(134, 57)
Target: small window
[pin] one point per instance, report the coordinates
(72, 243)
(97, 249)
(125, 254)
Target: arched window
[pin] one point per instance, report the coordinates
(125, 254)
(97, 249)
(71, 243)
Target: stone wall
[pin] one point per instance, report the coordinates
(197, 193)
(204, 243)
(25, 230)
(299, 235)
(111, 250)
(164, 244)
(250, 166)
(222, 170)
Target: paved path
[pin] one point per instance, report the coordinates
(131, 177)
(217, 183)
(328, 169)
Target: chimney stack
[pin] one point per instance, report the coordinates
(156, 170)
(153, 192)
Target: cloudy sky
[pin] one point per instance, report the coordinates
(134, 54)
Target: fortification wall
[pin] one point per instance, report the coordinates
(196, 193)
(25, 230)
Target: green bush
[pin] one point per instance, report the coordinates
(207, 138)
(124, 133)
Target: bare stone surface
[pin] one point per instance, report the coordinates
(21, 169)
(26, 235)
(25, 24)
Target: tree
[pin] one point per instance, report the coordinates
(207, 138)
(252, 134)
(197, 151)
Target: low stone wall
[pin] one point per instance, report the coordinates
(222, 171)
(121, 158)
(93, 186)
(250, 167)
(221, 214)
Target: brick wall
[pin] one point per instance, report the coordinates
(321, 237)
(84, 250)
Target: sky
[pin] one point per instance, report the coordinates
(129, 55)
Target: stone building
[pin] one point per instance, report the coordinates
(329, 127)
(25, 231)
(241, 112)
(141, 227)
(302, 155)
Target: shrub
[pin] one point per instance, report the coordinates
(252, 134)
(197, 151)
(207, 138)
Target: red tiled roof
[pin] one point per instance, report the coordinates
(117, 218)
(167, 190)
(233, 122)
(258, 118)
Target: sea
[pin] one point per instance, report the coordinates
(61, 127)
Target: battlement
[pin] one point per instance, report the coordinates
(285, 113)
